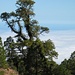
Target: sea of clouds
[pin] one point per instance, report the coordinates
(64, 41)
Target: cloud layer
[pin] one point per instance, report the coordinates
(64, 42)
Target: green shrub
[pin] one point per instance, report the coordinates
(3, 63)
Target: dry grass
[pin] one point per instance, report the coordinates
(8, 72)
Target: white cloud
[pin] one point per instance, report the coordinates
(4, 35)
(64, 42)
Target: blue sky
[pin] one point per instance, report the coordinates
(58, 15)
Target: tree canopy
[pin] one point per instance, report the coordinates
(28, 51)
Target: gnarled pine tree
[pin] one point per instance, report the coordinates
(33, 50)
